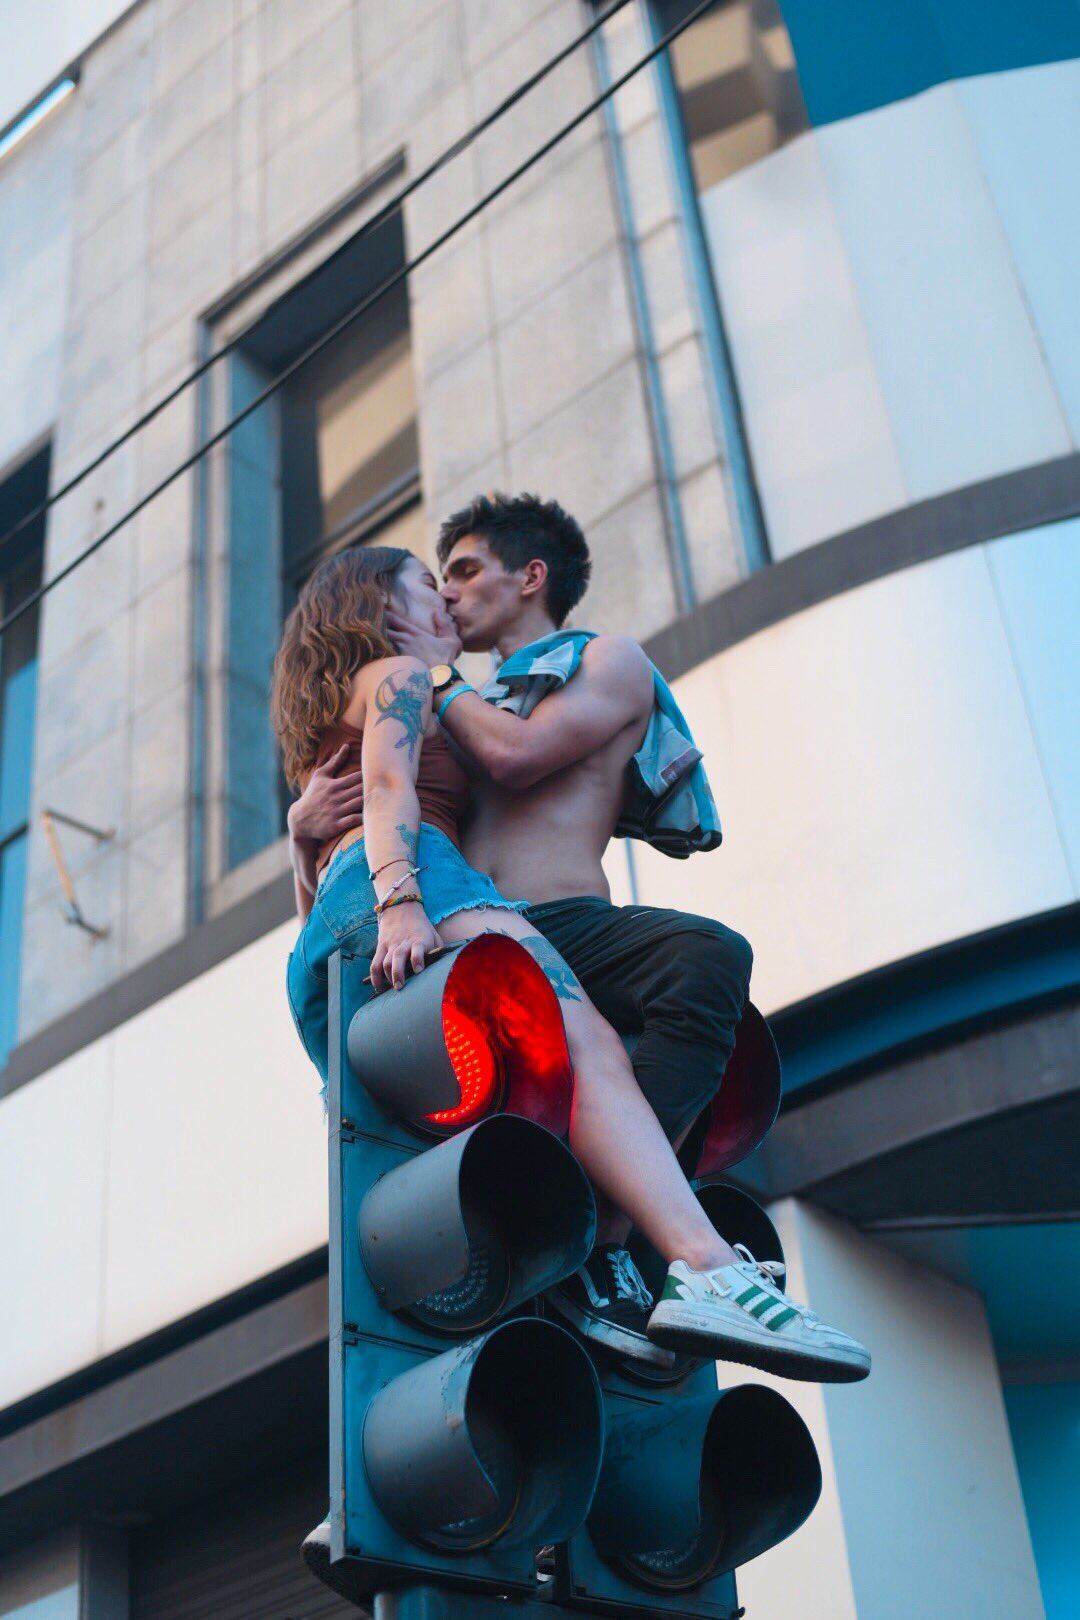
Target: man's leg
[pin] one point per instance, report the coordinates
(676, 981)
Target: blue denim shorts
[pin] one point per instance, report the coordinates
(343, 919)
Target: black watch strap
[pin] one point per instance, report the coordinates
(444, 675)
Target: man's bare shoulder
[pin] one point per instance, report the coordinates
(621, 660)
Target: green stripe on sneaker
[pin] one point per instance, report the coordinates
(780, 1318)
(762, 1306)
(748, 1294)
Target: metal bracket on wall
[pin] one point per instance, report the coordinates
(102, 835)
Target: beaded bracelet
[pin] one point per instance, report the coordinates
(385, 864)
(402, 900)
(412, 871)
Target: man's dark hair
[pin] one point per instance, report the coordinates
(518, 528)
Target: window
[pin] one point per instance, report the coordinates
(331, 460)
(20, 574)
(737, 85)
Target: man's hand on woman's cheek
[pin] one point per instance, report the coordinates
(439, 646)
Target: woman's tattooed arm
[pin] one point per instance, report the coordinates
(402, 698)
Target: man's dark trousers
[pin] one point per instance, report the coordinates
(676, 980)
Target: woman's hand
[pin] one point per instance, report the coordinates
(405, 936)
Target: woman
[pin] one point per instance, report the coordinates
(396, 887)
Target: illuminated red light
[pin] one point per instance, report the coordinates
(475, 1069)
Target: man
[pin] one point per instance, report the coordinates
(550, 790)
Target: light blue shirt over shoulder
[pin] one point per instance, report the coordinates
(668, 801)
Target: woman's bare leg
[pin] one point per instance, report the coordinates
(613, 1131)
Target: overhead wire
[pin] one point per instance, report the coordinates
(347, 320)
(389, 208)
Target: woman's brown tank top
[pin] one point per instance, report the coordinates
(441, 785)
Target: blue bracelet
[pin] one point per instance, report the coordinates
(446, 702)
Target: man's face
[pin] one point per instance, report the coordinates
(482, 597)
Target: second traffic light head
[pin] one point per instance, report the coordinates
(744, 1109)
(477, 1226)
(478, 1032)
(697, 1487)
(496, 1441)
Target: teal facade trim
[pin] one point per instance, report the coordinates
(853, 57)
(962, 985)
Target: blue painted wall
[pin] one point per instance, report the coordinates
(857, 54)
(1045, 1424)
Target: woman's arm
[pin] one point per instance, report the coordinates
(396, 697)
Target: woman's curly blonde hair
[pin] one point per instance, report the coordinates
(337, 626)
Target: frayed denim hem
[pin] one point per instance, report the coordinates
(477, 905)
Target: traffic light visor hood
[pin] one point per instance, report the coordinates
(478, 1032)
(743, 1111)
(496, 1441)
(690, 1491)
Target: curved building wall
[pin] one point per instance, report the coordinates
(897, 281)
(895, 767)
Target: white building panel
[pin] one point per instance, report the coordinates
(819, 431)
(36, 186)
(898, 293)
(37, 42)
(879, 783)
(964, 377)
(53, 1167)
(1027, 130)
(1037, 575)
(218, 1149)
(162, 1167)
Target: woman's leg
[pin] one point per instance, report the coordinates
(613, 1131)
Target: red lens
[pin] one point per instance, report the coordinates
(475, 1069)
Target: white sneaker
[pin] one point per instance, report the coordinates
(738, 1313)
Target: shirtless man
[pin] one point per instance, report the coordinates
(549, 787)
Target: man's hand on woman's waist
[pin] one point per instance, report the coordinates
(329, 804)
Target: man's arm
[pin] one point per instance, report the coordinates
(612, 689)
(328, 806)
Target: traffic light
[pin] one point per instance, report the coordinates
(695, 1480)
(742, 1113)
(466, 1430)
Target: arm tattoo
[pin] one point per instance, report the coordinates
(402, 699)
(559, 976)
(410, 841)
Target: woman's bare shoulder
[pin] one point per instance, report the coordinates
(385, 685)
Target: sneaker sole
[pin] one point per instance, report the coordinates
(686, 1335)
(618, 1340)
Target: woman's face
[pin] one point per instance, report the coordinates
(414, 594)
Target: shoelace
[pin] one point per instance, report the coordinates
(629, 1283)
(770, 1271)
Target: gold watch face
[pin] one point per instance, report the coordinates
(441, 675)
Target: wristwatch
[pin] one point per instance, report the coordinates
(444, 675)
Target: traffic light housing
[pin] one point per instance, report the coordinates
(695, 1480)
(744, 1110)
(468, 1427)
(466, 1430)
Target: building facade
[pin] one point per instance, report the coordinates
(789, 325)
